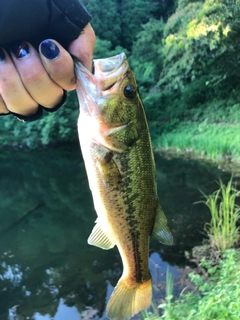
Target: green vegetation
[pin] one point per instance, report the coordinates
(217, 297)
(198, 83)
(217, 288)
(214, 141)
(223, 231)
(52, 128)
(185, 55)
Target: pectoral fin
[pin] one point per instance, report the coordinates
(110, 173)
(106, 165)
(99, 238)
(161, 231)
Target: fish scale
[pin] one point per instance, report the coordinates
(119, 161)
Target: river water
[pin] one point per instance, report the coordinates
(47, 269)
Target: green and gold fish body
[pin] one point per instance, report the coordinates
(118, 156)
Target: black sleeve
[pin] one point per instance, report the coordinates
(36, 20)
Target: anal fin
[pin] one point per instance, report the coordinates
(161, 230)
(99, 238)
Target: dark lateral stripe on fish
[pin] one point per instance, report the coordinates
(139, 272)
(128, 200)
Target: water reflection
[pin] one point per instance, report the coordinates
(47, 269)
(65, 312)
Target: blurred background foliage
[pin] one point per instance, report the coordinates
(185, 55)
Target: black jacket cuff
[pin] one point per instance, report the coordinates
(37, 20)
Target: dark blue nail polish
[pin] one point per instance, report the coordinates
(20, 49)
(49, 49)
(2, 55)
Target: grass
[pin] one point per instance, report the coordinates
(211, 140)
(222, 231)
(217, 297)
(217, 294)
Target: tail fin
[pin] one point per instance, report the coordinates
(128, 299)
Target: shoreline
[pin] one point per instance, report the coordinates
(212, 143)
(227, 165)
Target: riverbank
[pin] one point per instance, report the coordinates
(216, 294)
(217, 143)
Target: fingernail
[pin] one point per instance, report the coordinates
(20, 50)
(2, 55)
(49, 49)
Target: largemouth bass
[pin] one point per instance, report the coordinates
(117, 152)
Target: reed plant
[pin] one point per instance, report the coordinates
(167, 306)
(222, 230)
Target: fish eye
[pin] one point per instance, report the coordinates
(129, 92)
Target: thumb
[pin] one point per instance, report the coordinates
(83, 47)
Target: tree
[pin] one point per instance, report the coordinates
(134, 13)
(50, 129)
(164, 8)
(103, 49)
(106, 19)
(199, 37)
(146, 58)
(119, 21)
(201, 54)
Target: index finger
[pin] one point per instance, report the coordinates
(83, 47)
(58, 63)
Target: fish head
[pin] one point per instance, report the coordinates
(109, 95)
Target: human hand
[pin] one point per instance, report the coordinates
(29, 78)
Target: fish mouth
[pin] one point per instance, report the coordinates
(109, 71)
(92, 89)
(106, 65)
